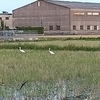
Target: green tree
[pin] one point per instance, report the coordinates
(2, 25)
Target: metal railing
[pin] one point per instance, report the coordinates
(18, 35)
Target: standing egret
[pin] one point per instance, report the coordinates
(21, 50)
(36, 39)
(51, 52)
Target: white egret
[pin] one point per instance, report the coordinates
(21, 50)
(36, 38)
(51, 52)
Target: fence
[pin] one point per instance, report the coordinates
(18, 35)
(73, 32)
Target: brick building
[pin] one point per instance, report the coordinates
(60, 16)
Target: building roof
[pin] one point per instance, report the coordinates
(79, 5)
(5, 13)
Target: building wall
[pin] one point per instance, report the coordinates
(41, 13)
(57, 19)
(7, 18)
(89, 19)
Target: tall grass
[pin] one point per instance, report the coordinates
(77, 37)
(74, 44)
(37, 65)
(77, 61)
(73, 58)
(35, 46)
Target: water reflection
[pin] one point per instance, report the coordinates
(18, 96)
(59, 90)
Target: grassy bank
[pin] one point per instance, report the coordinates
(40, 65)
(55, 45)
(75, 61)
(72, 59)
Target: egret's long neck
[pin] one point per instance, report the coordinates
(49, 49)
(19, 48)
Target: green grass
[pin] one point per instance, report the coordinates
(77, 61)
(58, 46)
(37, 65)
(73, 58)
(74, 44)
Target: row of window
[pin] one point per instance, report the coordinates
(88, 27)
(89, 13)
(6, 18)
(52, 28)
(75, 27)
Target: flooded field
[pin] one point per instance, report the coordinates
(59, 90)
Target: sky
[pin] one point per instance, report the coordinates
(9, 5)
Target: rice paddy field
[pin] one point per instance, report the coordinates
(73, 72)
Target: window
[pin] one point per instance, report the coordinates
(7, 27)
(17, 27)
(95, 27)
(88, 27)
(0, 18)
(50, 27)
(79, 13)
(95, 13)
(81, 27)
(89, 13)
(57, 27)
(7, 18)
(74, 27)
(38, 3)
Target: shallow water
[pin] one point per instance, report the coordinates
(59, 90)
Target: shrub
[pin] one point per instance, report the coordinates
(45, 47)
(40, 30)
